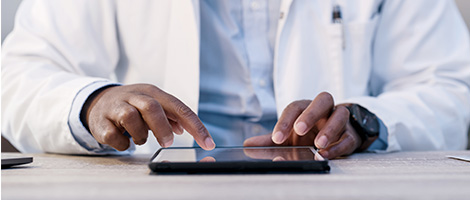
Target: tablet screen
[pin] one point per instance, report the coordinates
(237, 154)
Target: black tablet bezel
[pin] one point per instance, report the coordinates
(14, 161)
(312, 166)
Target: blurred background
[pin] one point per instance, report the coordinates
(9, 9)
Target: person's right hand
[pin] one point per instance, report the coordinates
(137, 109)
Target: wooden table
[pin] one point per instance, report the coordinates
(402, 175)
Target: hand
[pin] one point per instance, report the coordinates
(313, 123)
(137, 109)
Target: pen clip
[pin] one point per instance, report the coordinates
(336, 15)
(337, 18)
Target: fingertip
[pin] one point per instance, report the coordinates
(209, 143)
(140, 142)
(248, 142)
(278, 137)
(321, 142)
(168, 143)
(124, 146)
(300, 128)
(178, 131)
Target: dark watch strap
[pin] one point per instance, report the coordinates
(365, 124)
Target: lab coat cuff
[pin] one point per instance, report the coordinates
(79, 131)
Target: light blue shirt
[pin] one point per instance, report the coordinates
(236, 79)
(236, 60)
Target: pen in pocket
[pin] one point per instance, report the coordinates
(337, 19)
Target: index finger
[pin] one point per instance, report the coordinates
(319, 108)
(182, 114)
(284, 125)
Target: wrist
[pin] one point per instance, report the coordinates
(365, 124)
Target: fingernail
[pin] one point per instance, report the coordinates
(209, 142)
(168, 143)
(278, 137)
(322, 142)
(300, 128)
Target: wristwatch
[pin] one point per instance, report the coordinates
(365, 123)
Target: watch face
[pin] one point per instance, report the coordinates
(370, 123)
(367, 120)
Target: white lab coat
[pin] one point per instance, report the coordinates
(409, 64)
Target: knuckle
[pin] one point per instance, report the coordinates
(353, 138)
(345, 150)
(342, 113)
(122, 147)
(326, 98)
(109, 136)
(328, 131)
(183, 110)
(292, 105)
(200, 128)
(326, 95)
(296, 105)
(283, 126)
(127, 114)
(334, 152)
(356, 139)
(342, 110)
(151, 106)
(140, 135)
(345, 110)
(148, 87)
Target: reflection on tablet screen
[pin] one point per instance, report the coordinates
(236, 154)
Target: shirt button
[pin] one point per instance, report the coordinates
(255, 5)
(262, 83)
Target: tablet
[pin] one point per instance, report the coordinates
(9, 161)
(289, 159)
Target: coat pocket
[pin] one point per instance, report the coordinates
(350, 56)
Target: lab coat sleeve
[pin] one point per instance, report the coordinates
(56, 49)
(421, 75)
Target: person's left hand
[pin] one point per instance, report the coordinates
(313, 123)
